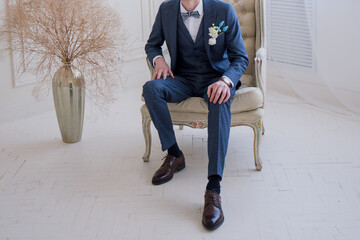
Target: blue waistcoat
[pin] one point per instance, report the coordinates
(192, 61)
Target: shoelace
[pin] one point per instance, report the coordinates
(166, 160)
(212, 199)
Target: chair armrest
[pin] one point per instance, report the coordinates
(261, 54)
(151, 68)
(260, 71)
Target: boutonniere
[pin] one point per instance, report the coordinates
(216, 31)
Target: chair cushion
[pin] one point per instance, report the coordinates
(245, 99)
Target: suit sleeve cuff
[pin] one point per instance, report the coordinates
(156, 57)
(228, 80)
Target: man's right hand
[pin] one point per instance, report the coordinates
(161, 68)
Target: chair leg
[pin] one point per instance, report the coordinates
(181, 127)
(257, 127)
(147, 135)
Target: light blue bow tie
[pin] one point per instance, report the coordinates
(194, 14)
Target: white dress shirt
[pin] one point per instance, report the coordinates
(193, 24)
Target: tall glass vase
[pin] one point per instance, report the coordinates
(68, 86)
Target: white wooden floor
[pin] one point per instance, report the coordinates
(309, 187)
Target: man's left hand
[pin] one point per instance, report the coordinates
(218, 92)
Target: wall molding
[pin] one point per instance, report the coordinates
(149, 10)
(19, 78)
(136, 50)
(133, 51)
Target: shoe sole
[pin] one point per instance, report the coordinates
(177, 170)
(215, 226)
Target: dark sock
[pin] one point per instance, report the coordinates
(174, 151)
(214, 183)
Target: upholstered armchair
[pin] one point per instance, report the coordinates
(248, 104)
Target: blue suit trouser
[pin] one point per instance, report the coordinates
(157, 93)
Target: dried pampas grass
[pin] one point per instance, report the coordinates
(46, 33)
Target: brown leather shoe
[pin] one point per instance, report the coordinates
(213, 215)
(168, 168)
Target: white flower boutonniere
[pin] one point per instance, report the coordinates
(216, 31)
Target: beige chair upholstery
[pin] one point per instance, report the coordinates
(247, 106)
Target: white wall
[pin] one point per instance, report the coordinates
(14, 101)
(137, 16)
(336, 83)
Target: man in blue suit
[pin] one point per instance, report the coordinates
(208, 57)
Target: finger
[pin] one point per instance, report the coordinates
(223, 95)
(159, 74)
(213, 93)
(213, 90)
(165, 73)
(154, 75)
(217, 95)
(227, 96)
(209, 91)
(171, 74)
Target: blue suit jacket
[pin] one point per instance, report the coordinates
(228, 55)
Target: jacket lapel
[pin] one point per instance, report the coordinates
(183, 28)
(201, 31)
(209, 19)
